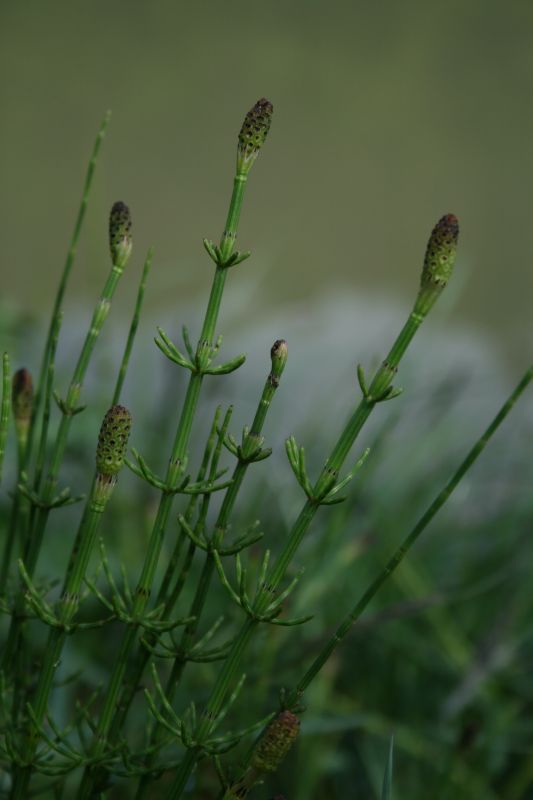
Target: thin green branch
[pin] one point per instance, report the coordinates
(58, 303)
(410, 539)
(109, 459)
(133, 327)
(69, 408)
(292, 700)
(205, 351)
(438, 263)
(5, 408)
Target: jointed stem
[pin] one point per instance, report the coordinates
(4, 408)
(376, 392)
(133, 328)
(293, 699)
(379, 385)
(58, 303)
(220, 528)
(411, 538)
(174, 472)
(112, 443)
(166, 596)
(35, 537)
(43, 438)
(99, 316)
(252, 440)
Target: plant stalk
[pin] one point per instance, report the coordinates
(293, 699)
(174, 471)
(35, 538)
(398, 556)
(58, 303)
(5, 408)
(379, 385)
(251, 441)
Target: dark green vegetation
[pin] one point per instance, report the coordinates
(156, 669)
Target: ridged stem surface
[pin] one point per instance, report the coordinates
(227, 675)
(174, 471)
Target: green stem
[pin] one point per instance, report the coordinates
(379, 385)
(5, 408)
(64, 280)
(251, 441)
(43, 439)
(175, 469)
(20, 512)
(35, 538)
(409, 540)
(142, 592)
(229, 237)
(11, 535)
(133, 328)
(164, 595)
(67, 608)
(294, 697)
(381, 382)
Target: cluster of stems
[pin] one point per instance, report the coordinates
(95, 742)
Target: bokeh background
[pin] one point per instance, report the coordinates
(387, 115)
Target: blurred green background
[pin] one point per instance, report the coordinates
(387, 115)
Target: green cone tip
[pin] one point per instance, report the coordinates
(441, 251)
(279, 353)
(253, 133)
(22, 395)
(112, 441)
(120, 241)
(276, 742)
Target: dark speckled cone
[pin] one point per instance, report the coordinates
(438, 263)
(276, 742)
(112, 441)
(441, 251)
(22, 395)
(120, 241)
(253, 133)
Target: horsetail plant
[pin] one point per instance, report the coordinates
(44, 384)
(249, 451)
(4, 408)
(22, 407)
(110, 452)
(292, 700)
(97, 743)
(43, 502)
(22, 401)
(268, 753)
(199, 363)
(133, 327)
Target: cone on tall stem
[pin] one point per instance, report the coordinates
(110, 453)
